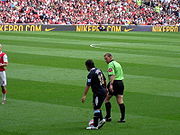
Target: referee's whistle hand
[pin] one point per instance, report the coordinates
(111, 88)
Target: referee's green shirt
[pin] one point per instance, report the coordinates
(114, 68)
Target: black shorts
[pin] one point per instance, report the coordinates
(98, 101)
(118, 88)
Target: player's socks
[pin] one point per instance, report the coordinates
(108, 109)
(101, 116)
(4, 94)
(96, 117)
(122, 109)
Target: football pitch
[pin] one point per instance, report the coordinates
(46, 78)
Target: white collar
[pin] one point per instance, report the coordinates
(92, 69)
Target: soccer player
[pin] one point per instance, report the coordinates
(3, 81)
(115, 87)
(96, 80)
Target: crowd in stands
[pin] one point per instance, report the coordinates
(124, 12)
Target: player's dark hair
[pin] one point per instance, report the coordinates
(89, 63)
(108, 54)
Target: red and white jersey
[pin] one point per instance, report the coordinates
(3, 59)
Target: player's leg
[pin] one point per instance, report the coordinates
(4, 91)
(98, 101)
(98, 118)
(3, 86)
(121, 104)
(97, 115)
(101, 115)
(101, 99)
(108, 108)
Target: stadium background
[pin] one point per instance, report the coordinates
(114, 28)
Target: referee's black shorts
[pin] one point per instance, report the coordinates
(118, 88)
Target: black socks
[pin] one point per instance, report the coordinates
(122, 109)
(108, 109)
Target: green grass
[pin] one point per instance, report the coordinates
(46, 78)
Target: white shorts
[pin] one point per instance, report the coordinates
(3, 80)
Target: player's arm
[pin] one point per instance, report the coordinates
(86, 89)
(4, 64)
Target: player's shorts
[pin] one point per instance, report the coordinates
(98, 101)
(3, 80)
(118, 88)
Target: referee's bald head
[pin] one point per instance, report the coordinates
(108, 54)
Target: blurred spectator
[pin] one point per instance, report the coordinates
(124, 12)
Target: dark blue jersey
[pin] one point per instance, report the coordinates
(96, 80)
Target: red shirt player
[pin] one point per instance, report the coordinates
(3, 80)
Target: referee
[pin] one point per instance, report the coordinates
(115, 87)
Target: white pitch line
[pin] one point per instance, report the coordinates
(94, 45)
